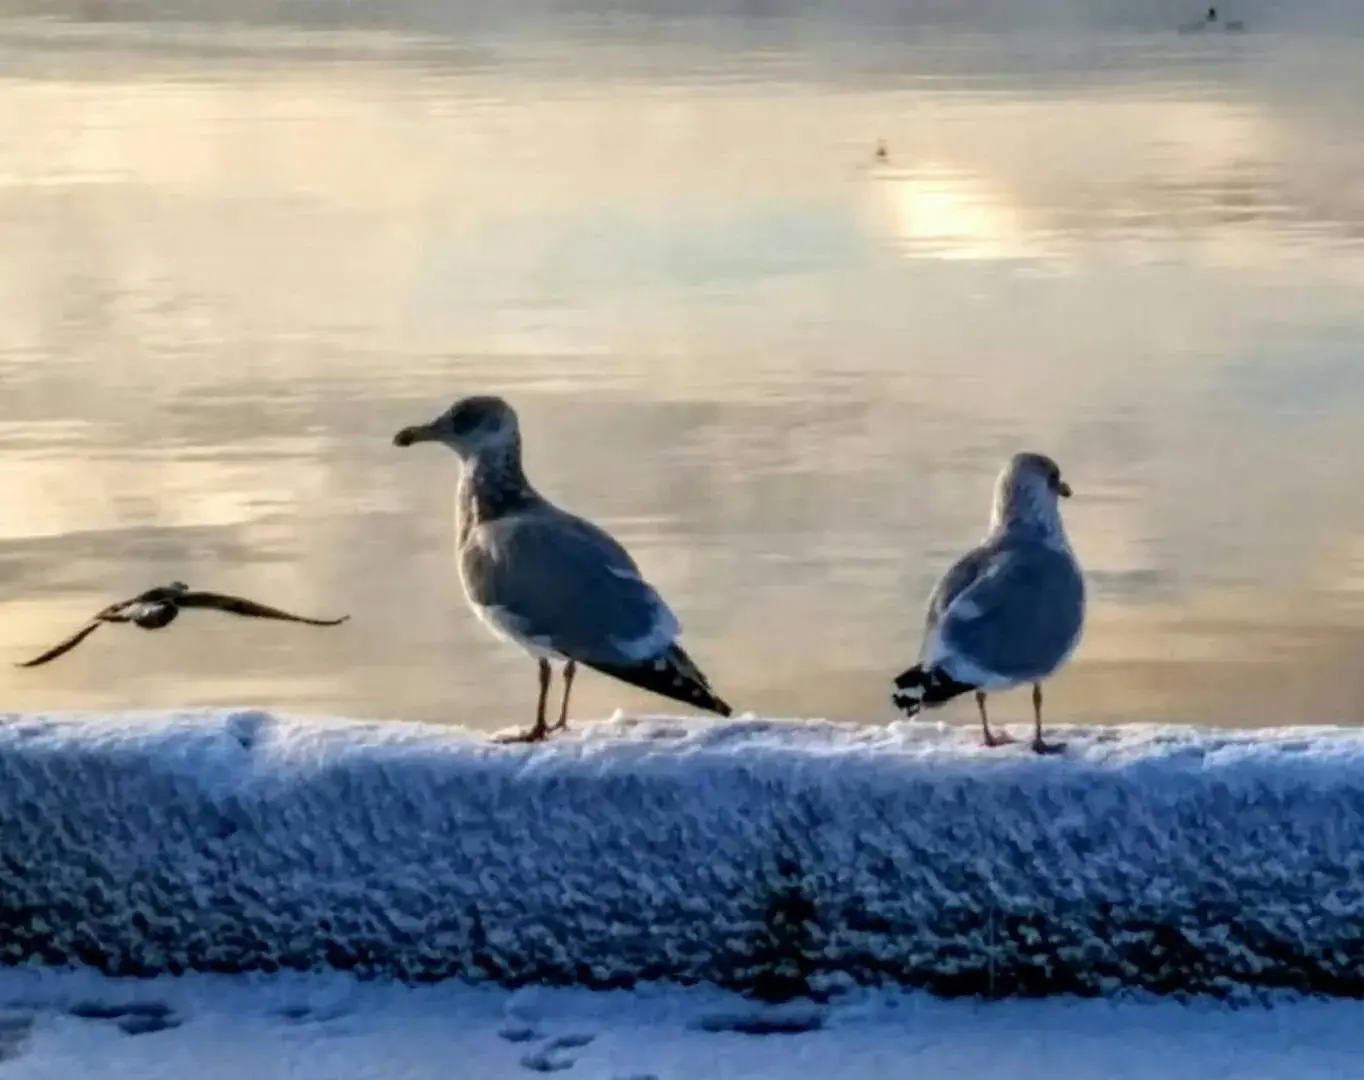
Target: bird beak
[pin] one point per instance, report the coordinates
(1063, 489)
(415, 434)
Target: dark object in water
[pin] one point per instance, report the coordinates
(159, 607)
(1210, 21)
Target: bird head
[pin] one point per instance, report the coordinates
(469, 427)
(1027, 493)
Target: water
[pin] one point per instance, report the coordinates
(235, 258)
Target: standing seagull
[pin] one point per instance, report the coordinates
(548, 581)
(1011, 610)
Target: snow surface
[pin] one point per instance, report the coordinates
(73, 1025)
(774, 857)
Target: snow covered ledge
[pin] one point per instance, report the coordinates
(768, 856)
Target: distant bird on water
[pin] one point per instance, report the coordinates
(1211, 20)
(1010, 611)
(550, 582)
(159, 607)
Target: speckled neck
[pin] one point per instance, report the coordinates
(492, 484)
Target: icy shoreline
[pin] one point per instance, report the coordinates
(762, 856)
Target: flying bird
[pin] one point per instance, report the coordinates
(159, 607)
(1010, 611)
(548, 581)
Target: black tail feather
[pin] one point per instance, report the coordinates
(917, 689)
(673, 675)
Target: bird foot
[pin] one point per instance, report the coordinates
(1040, 746)
(531, 736)
(998, 740)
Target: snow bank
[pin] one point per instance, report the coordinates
(77, 1024)
(771, 857)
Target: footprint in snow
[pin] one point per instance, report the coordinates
(15, 1029)
(796, 1018)
(308, 1014)
(551, 1057)
(132, 1018)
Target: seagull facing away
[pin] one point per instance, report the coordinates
(550, 582)
(159, 607)
(1010, 611)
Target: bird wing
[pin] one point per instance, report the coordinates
(557, 581)
(1018, 618)
(65, 646)
(237, 605)
(959, 577)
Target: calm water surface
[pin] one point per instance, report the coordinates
(234, 259)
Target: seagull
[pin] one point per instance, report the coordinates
(1010, 611)
(158, 607)
(548, 581)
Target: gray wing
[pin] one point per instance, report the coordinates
(1018, 618)
(562, 582)
(962, 573)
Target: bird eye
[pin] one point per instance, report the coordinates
(460, 419)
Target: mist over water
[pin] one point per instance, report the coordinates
(244, 244)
